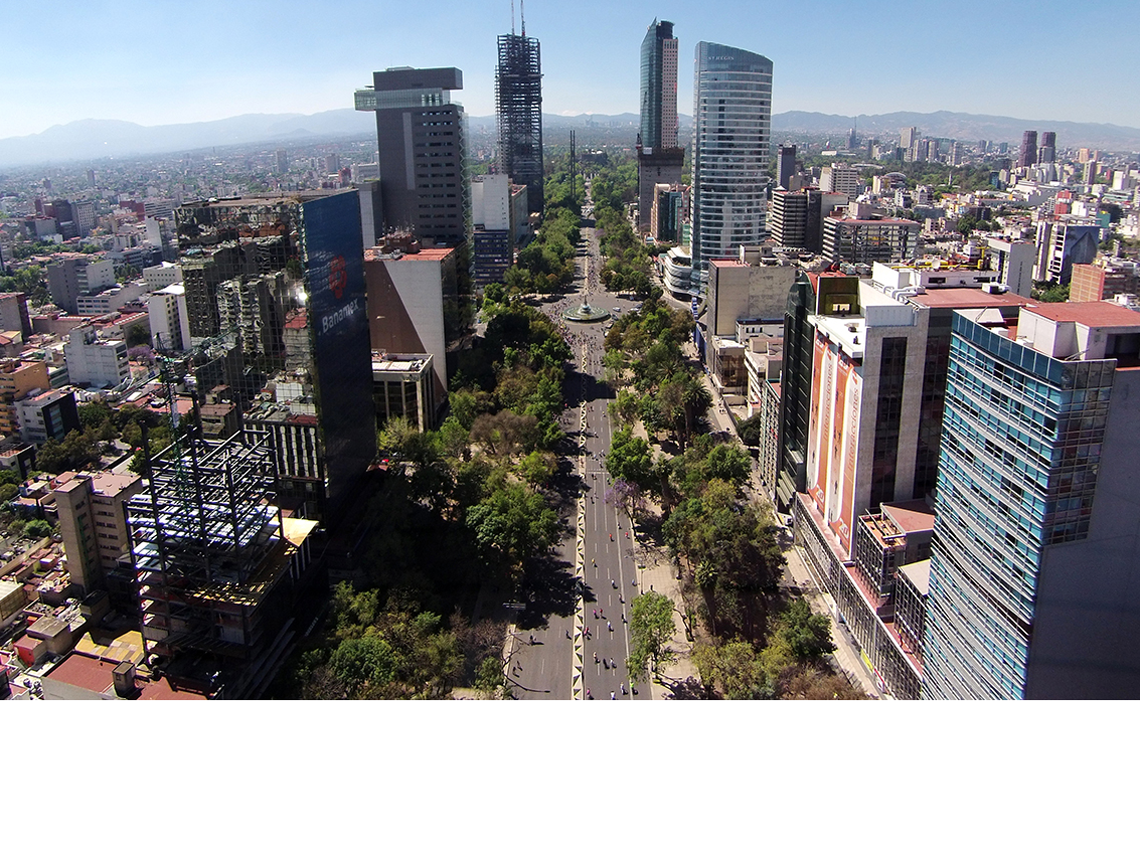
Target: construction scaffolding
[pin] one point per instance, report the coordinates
(210, 561)
(518, 98)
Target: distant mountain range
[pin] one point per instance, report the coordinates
(93, 139)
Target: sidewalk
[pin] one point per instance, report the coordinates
(847, 656)
(655, 572)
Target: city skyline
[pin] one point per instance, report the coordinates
(587, 68)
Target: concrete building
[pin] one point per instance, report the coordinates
(162, 276)
(732, 110)
(1033, 581)
(1061, 244)
(93, 522)
(839, 178)
(404, 387)
(763, 360)
(14, 315)
(422, 152)
(492, 242)
(169, 319)
(71, 275)
(1028, 154)
(677, 273)
(518, 103)
(864, 241)
(1103, 279)
(744, 288)
(44, 415)
(874, 417)
(17, 378)
(95, 362)
(796, 218)
(112, 299)
(407, 294)
(1012, 260)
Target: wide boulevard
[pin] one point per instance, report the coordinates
(581, 655)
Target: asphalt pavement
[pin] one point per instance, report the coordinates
(583, 655)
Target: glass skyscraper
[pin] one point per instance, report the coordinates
(1034, 579)
(732, 113)
(659, 87)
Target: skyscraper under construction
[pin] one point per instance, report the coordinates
(518, 98)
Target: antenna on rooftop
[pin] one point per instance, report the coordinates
(522, 17)
(513, 16)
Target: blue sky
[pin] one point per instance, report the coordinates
(164, 62)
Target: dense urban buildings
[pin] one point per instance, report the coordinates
(295, 300)
(732, 110)
(518, 101)
(422, 152)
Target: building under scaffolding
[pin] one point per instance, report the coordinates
(216, 564)
(518, 98)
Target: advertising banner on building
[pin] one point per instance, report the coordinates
(333, 258)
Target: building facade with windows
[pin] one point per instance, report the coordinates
(1034, 587)
(422, 152)
(732, 111)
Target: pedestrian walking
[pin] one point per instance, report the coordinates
(613, 696)
(614, 666)
(610, 626)
(623, 616)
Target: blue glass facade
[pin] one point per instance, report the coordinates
(1020, 450)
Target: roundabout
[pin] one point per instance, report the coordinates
(585, 313)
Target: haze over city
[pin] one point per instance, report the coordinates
(292, 57)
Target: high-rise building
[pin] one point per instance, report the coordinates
(294, 298)
(732, 109)
(518, 100)
(1033, 568)
(1047, 153)
(422, 152)
(786, 166)
(788, 219)
(908, 142)
(659, 160)
(840, 178)
(878, 366)
(1028, 154)
(282, 161)
(492, 243)
(659, 87)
